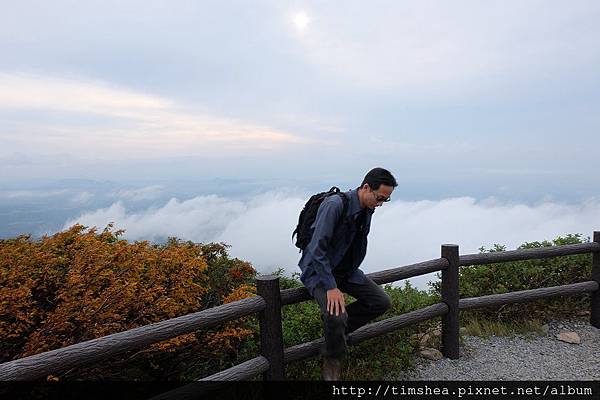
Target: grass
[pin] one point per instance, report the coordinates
(486, 328)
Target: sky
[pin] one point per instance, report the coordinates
(190, 117)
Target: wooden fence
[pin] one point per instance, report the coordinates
(270, 300)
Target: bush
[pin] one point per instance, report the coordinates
(481, 280)
(383, 358)
(369, 360)
(80, 284)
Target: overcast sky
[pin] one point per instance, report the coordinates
(495, 90)
(463, 101)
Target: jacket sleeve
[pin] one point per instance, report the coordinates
(328, 214)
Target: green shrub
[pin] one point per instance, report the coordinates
(481, 280)
(369, 360)
(377, 358)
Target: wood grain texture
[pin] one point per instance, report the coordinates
(302, 351)
(408, 271)
(528, 254)
(526, 295)
(271, 335)
(391, 324)
(450, 347)
(595, 300)
(241, 372)
(310, 349)
(55, 361)
(296, 295)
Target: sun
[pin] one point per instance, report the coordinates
(300, 20)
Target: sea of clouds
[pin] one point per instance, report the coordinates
(259, 228)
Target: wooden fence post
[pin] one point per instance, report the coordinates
(450, 329)
(271, 334)
(595, 306)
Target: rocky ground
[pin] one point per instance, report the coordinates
(566, 350)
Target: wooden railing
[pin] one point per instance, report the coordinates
(270, 300)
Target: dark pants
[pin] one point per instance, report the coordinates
(371, 302)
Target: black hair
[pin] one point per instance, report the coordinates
(378, 176)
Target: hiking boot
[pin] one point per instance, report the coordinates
(332, 369)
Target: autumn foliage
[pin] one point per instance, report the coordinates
(82, 284)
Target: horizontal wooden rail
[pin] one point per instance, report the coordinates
(94, 350)
(527, 295)
(85, 353)
(392, 324)
(241, 372)
(258, 365)
(408, 271)
(528, 254)
(302, 351)
(80, 354)
(297, 295)
(309, 349)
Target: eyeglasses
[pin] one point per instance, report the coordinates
(381, 199)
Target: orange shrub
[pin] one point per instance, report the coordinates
(80, 284)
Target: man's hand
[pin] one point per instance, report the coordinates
(335, 302)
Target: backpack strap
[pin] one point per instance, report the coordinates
(309, 211)
(345, 201)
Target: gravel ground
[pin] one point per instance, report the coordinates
(519, 357)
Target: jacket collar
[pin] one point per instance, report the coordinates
(354, 203)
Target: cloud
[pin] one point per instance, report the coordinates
(200, 219)
(72, 197)
(28, 91)
(95, 119)
(402, 232)
(81, 198)
(146, 193)
(31, 194)
(437, 46)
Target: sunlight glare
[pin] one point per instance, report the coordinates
(301, 20)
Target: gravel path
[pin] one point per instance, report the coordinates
(519, 357)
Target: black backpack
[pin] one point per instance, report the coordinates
(309, 214)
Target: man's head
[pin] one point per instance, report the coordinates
(376, 188)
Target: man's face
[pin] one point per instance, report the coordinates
(376, 198)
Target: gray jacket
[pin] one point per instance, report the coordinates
(331, 239)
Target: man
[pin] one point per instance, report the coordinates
(330, 264)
